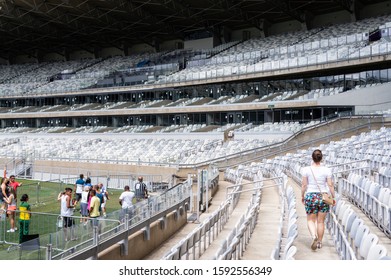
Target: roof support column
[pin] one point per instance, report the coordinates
(264, 26)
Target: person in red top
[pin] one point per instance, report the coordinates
(14, 183)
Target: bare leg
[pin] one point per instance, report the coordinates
(311, 224)
(73, 232)
(12, 220)
(312, 227)
(320, 230)
(65, 233)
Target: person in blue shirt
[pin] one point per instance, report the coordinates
(79, 187)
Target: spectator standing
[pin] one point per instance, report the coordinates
(4, 193)
(94, 207)
(99, 195)
(105, 193)
(79, 186)
(67, 209)
(140, 189)
(11, 208)
(126, 202)
(84, 204)
(24, 217)
(14, 183)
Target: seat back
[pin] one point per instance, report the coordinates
(353, 230)
(362, 232)
(376, 252)
(368, 241)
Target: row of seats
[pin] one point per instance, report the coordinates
(276, 58)
(373, 198)
(234, 245)
(360, 241)
(288, 229)
(185, 151)
(261, 54)
(203, 236)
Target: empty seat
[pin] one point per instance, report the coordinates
(377, 252)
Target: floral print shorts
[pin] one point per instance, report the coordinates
(313, 203)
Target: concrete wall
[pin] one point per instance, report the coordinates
(366, 100)
(80, 54)
(332, 19)
(20, 59)
(169, 45)
(376, 9)
(102, 168)
(237, 35)
(110, 52)
(285, 27)
(53, 57)
(3, 61)
(139, 247)
(205, 43)
(141, 48)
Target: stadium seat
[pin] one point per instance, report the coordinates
(376, 252)
(362, 232)
(367, 242)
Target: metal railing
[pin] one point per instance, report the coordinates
(87, 237)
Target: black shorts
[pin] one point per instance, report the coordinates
(68, 222)
(78, 196)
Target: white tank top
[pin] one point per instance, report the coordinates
(65, 211)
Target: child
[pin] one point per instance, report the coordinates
(24, 217)
(11, 201)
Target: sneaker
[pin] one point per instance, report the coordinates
(15, 228)
(11, 230)
(314, 244)
(319, 245)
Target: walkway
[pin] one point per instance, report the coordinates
(219, 197)
(264, 238)
(303, 240)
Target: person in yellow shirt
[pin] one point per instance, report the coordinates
(94, 207)
(24, 217)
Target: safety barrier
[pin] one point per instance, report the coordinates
(202, 236)
(86, 239)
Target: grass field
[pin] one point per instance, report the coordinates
(43, 196)
(46, 210)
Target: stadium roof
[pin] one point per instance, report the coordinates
(55, 25)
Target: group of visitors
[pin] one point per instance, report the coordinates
(92, 200)
(8, 208)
